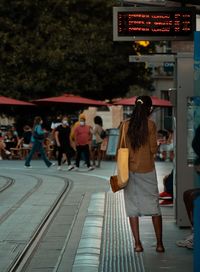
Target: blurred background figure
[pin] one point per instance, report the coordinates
(25, 140)
(10, 139)
(165, 145)
(76, 123)
(96, 141)
(37, 140)
(55, 123)
(62, 137)
(167, 194)
(3, 150)
(83, 137)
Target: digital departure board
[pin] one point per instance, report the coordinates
(133, 23)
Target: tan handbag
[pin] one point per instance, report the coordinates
(120, 180)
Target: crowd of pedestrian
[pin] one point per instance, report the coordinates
(66, 141)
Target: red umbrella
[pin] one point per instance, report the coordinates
(14, 102)
(157, 102)
(71, 99)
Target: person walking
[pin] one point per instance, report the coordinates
(83, 136)
(37, 140)
(62, 137)
(57, 122)
(141, 194)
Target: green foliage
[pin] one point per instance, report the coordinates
(55, 46)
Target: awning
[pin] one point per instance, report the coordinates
(157, 102)
(14, 102)
(71, 99)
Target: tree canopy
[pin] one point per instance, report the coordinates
(55, 46)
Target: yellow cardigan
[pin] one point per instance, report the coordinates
(142, 160)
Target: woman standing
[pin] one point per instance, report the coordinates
(37, 140)
(141, 194)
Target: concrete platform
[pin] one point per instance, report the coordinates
(90, 232)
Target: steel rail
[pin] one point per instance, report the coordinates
(9, 182)
(20, 263)
(14, 207)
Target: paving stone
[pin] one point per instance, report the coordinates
(67, 236)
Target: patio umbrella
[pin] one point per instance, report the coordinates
(157, 102)
(13, 102)
(70, 99)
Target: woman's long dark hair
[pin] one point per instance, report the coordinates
(138, 126)
(98, 120)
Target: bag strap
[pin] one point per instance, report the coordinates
(123, 136)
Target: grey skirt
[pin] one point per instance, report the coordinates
(141, 195)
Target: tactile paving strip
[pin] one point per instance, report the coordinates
(106, 243)
(117, 252)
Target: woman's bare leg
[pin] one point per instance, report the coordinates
(157, 223)
(189, 196)
(99, 156)
(134, 223)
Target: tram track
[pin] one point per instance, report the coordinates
(24, 256)
(9, 182)
(13, 208)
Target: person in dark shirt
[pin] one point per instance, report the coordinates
(26, 136)
(62, 137)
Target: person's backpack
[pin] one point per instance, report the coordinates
(103, 134)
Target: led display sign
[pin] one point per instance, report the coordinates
(131, 23)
